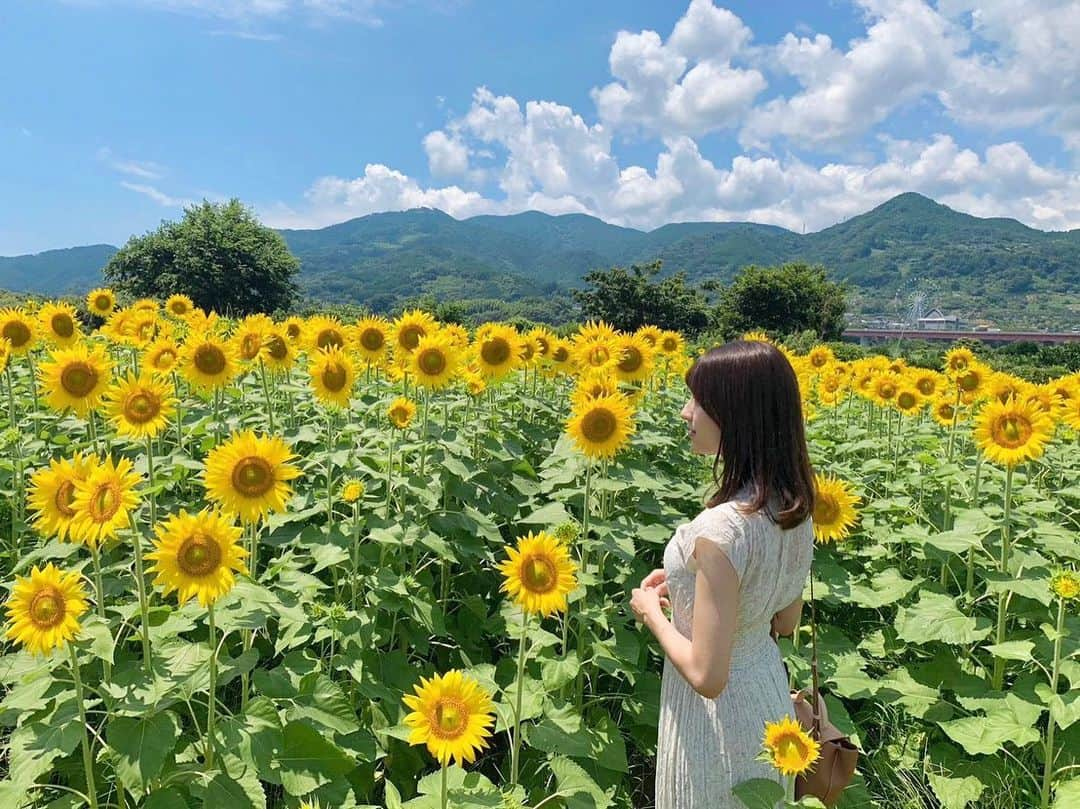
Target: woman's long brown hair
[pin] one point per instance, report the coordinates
(750, 390)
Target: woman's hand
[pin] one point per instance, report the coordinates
(644, 603)
(657, 580)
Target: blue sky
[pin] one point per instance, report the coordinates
(114, 114)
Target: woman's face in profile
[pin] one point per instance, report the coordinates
(704, 432)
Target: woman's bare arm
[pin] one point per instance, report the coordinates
(786, 621)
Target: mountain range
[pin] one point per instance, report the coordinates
(996, 269)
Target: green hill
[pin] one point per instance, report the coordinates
(997, 269)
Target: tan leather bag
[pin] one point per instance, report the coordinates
(835, 768)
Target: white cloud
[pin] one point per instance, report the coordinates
(145, 169)
(686, 85)
(507, 155)
(160, 197)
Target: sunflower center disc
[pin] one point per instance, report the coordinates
(826, 510)
(792, 749)
(293, 331)
(198, 555)
(330, 337)
(165, 359)
(887, 391)
(62, 500)
(47, 608)
(495, 352)
(371, 339)
(906, 401)
(926, 387)
(560, 354)
(334, 376)
(632, 361)
(141, 407)
(105, 502)
(449, 718)
(432, 362)
(79, 379)
(598, 425)
(599, 356)
(276, 347)
(209, 359)
(250, 346)
(102, 302)
(252, 477)
(410, 337)
(1014, 432)
(538, 575)
(179, 308)
(668, 345)
(18, 334)
(62, 325)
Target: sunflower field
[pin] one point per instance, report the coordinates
(387, 564)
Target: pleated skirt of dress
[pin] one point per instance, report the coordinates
(707, 746)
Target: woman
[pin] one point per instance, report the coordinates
(733, 577)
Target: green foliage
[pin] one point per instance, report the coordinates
(218, 255)
(789, 298)
(629, 299)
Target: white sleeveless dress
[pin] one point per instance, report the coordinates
(707, 746)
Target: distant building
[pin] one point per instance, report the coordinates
(936, 319)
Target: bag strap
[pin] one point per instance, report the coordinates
(813, 656)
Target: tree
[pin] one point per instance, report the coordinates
(218, 255)
(788, 298)
(629, 299)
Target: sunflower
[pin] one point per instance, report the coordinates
(1004, 387)
(943, 409)
(885, 387)
(322, 332)
(601, 426)
(651, 335)
(908, 400)
(248, 475)
(278, 351)
(52, 490)
(544, 339)
(1012, 432)
(498, 350)
(1065, 584)
(475, 384)
(332, 376)
(530, 350)
(757, 337)
(294, 329)
(19, 329)
(199, 321)
(101, 302)
(596, 353)
(957, 360)
(834, 509)
(179, 305)
(139, 407)
(539, 574)
(671, 342)
(592, 386)
(207, 361)
(433, 363)
(161, 356)
(451, 713)
(371, 338)
(635, 361)
(197, 555)
(401, 412)
(791, 749)
(928, 383)
(145, 305)
(352, 490)
(5, 353)
(59, 323)
(76, 377)
(1071, 411)
(410, 327)
(248, 337)
(820, 356)
(103, 501)
(44, 609)
(1046, 398)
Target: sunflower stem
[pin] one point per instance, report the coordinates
(150, 473)
(99, 586)
(579, 684)
(424, 436)
(389, 471)
(355, 550)
(140, 582)
(266, 392)
(1048, 757)
(329, 469)
(445, 800)
(516, 748)
(999, 662)
(211, 703)
(969, 584)
(87, 756)
(179, 412)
